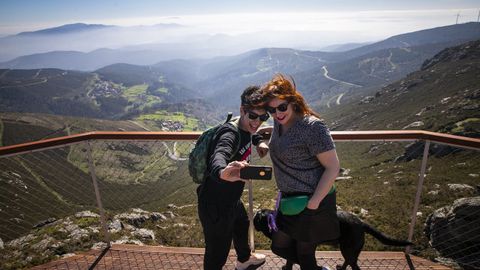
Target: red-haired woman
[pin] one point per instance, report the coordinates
(305, 163)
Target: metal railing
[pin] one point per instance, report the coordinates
(73, 193)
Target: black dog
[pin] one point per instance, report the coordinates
(351, 241)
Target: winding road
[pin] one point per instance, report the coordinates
(339, 97)
(325, 74)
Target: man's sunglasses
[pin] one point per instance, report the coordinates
(253, 116)
(282, 108)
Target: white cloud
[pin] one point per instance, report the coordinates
(376, 24)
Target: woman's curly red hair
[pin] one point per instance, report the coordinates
(284, 88)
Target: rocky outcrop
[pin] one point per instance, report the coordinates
(53, 238)
(137, 217)
(469, 50)
(454, 232)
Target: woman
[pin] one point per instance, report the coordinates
(305, 163)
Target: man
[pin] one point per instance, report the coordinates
(222, 213)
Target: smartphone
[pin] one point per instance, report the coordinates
(256, 172)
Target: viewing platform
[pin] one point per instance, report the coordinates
(124, 200)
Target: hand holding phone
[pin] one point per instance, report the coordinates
(256, 172)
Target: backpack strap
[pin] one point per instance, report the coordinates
(235, 124)
(229, 117)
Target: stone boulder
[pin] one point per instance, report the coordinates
(137, 217)
(454, 232)
(415, 151)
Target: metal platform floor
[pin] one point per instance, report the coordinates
(158, 257)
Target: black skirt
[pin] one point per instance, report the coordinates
(314, 226)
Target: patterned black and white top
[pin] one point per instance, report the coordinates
(293, 154)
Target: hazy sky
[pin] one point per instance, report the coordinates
(370, 20)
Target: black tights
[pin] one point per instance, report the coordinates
(288, 248)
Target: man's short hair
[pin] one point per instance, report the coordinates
(252, 97)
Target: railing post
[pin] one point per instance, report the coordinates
(103, 220)
(419, 193)
(250, 216)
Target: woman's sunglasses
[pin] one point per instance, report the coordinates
(282, 108)
(253, 116)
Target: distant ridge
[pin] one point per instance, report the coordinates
(344, 47)
(457, 33)
(65, 29)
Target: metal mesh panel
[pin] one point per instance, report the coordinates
(149, 198)
(451, 208)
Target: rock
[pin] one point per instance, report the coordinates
(414, 124)
(363, 213)
(460, 187)
(68, 255)
(99, 245)
(155, 216)
(344, 172)
(137, 217)
(169, 214)
(21, 242)
(415, 151)
(115, 226)
(144, 234)
(47, 242)
(367, 99)
(456, 228)
(79, 234)
(433, 192)
(423, 110)
(126, 240)
(44, 222)
(86, 214)
(180, 225)
(445, 100)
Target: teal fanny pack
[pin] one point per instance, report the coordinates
(293, 205)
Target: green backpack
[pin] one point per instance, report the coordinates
(199, 156)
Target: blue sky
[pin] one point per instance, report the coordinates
(240, 16)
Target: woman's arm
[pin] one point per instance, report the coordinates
(329, 160)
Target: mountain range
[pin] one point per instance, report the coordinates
(161, 42)
(203, 89)
(427, 80)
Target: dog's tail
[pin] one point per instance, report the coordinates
(385, 239)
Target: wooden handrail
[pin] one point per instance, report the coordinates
(374, 135)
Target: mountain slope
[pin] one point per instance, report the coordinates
(113, 92)
(442, 96)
